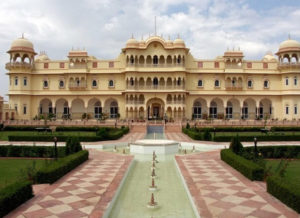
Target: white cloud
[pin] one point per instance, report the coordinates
(103, 26)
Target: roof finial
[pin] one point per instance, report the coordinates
(142, 37)
(155, 26)
(289, 36)
(239, 48)
(169, 37)
(22, 35)
(132, 35)
(161, 35)
(178, 36)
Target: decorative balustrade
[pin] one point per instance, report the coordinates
(155, 65)
(233, 88)
(288, 65)
(77, 86)
(13, 65)
(176, 102)
(135, 102)
(155, 87)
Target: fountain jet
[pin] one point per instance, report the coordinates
(152, 204)
(152, 187)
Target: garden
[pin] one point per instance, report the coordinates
(44, 133)
(23, 166)
(225, 134)
(279, 166)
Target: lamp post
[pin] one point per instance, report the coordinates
(255, 146)
(55, 147)
(214, 132)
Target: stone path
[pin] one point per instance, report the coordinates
(220, 191)
(84, 192)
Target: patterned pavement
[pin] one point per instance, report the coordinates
(84, 192)
(220, 191)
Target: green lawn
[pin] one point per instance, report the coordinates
(12, 170)
(292, 172)
(254, 133)
(4, 134)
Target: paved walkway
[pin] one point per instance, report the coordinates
(84, 192)
(220, 191)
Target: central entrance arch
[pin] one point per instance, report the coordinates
(155, 108)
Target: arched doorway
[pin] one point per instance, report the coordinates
(155, 109)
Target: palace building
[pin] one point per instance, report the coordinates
(154, 79)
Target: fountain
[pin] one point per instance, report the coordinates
(194, 150)
(147, 146)
(153, 165)
(153, 174)
(124, 151)
(115, 149)
(152, 204)
(153, 187)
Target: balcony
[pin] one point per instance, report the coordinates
(130, 102)
(159, 66)
(77, 86)
(156, 87)
(177, 102)
(20, 65)
(288, 66)
(233, 88)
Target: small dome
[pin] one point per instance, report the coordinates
(22, 44)
(289, 45)
(179, 43)
(269, 57)
(132, 42)
(42, 57)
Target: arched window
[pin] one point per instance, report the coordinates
(213, 110)
(45, 84)
(179, 82)
(229, 110)
(111, 83)
(16, 81)
(250, 84)
(94, 83)
(131, 81)
(114, 109)
(155, 59)
(286, 81)
(295, 81)
(77, 82)
(155, 81)
(197, 110)
(233, 82)
(61, 84)
(200, 83)
(98, 110)
(25, 81)
(131, 60)
(217, 83)
(266, 84)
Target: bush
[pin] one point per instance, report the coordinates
(276, 151)
(73, 145)
(57, 169)
(285, 128)
(76, 128)
(250, 138)
(187, 126)
(30, 151)
(206, 135)
(249, 169)
(23, 128)
(284, 191)
(236, 145)
(14, 195)
(192, 134)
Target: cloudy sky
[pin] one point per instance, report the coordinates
(208, 27)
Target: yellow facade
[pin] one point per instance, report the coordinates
(155, 78)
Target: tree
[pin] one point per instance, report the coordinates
(236, 145)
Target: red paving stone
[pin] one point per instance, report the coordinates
(89, 196)
(221, 191)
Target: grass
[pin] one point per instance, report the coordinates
(292, 172)
(12, 170)
(4, 134)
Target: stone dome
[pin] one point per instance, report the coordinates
(179, 43)
(289, 45)
(132, 42)
(269, 57)
(42, 57)
(22, 44)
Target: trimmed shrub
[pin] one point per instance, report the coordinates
(284, 191)
(276, 151)
(187, 126)
(206, 135)
(246, 167)
(30, 151)
(192, 134)
(285, 128)
(57, 169)
(23, 128)
(76, 128)
(236, 145)
(231, 129)
(250, 138)
(73, 145)
(14, 195)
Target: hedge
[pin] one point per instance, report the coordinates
(276, 151)
(285, 128)
(284, 191)
(30, 151)
(230, 129)
(250, 138)
(14, 195)
(23, 128)
(249, 169)
(57, 169)
(192, 134)
(76, 128)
